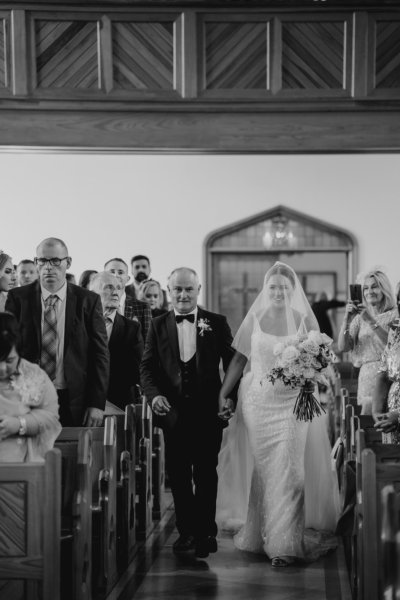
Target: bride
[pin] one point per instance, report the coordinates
(275, 477)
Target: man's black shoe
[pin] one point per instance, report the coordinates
(204, 546)
(184, 543)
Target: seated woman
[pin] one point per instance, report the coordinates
(150, 291)
(386, 398)
(29, 422)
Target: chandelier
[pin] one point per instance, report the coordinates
(278, 234)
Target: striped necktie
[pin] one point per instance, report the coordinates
(48, 358)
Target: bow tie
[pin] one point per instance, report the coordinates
(180, 318)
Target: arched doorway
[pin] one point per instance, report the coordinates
(238, 256)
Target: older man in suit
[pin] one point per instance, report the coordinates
(181, 379)
(129, 307)
(125, 341)
(62, 329)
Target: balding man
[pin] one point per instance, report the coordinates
(181, 378)
(125, 341)
(63, 330)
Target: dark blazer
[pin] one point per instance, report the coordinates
(160, 367)
(138, 311)
(126, 349)
(86, 356)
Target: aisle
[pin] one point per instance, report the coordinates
(228, 575)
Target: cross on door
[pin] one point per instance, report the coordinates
(245, 290)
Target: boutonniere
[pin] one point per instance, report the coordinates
(203, 325)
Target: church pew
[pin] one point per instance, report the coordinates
(379, 466)
(158, 463)
(389, 530)
(144, 471)
(30, 526)
(103, 474)
(126, 496)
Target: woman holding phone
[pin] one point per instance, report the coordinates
(364, 330)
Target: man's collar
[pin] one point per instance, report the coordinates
(61, 292)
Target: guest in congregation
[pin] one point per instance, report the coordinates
(181, 380)
(63, 330)
(7, 277)
(386, 397)
(364, 331)
(29, 422)
(70, 277)
(141, 270)
(150, 291)
(86, 277)
(320, 309)
(130, 308)
(26, 272)
(125, 341)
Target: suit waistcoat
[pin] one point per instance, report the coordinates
(189, 378)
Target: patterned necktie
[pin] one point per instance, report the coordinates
(48, 358)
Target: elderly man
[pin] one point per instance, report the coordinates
(63, 329)
(129, 307)
(181, 379)
(125, 341)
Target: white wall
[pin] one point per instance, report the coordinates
(164, 205)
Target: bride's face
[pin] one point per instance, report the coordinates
(280, 290)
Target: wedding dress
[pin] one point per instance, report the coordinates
(277, 488)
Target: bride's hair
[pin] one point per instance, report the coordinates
(292, 306)
(281, 269)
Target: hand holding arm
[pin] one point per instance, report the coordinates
(232, 375)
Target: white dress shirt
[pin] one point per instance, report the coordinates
(61, 294)
(121, 308)
(187, 336)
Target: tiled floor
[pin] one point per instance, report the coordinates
(157, 574)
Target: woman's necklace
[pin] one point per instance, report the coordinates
(9, 383)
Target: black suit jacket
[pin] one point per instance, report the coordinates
(160, 367)
(126, 349)
(86, 356)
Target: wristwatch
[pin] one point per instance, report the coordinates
(22, 426)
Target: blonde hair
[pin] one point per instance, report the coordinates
(4, 258)
(382, 281)
(144, 287)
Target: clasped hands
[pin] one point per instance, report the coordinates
(386, 422)
(8, 426)
(161, 407)
(226, 408)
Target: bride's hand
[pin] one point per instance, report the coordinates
(226, 408)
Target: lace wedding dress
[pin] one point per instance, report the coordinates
(288, 464)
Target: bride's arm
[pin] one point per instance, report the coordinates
(232, 376)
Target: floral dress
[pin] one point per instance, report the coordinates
(366, 354)
(390, 364)
(30, 393)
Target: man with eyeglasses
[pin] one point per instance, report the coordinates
(63, 330)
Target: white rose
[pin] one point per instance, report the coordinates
(290, 354)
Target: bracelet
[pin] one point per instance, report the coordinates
(375, 325)
(22, 426)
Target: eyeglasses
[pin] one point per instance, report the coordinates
(55, 262)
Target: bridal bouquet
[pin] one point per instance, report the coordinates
(300, 362)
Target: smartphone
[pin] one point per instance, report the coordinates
(356, 293)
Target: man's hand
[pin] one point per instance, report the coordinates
(93, 417)
(160, 405)
(226, 408)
